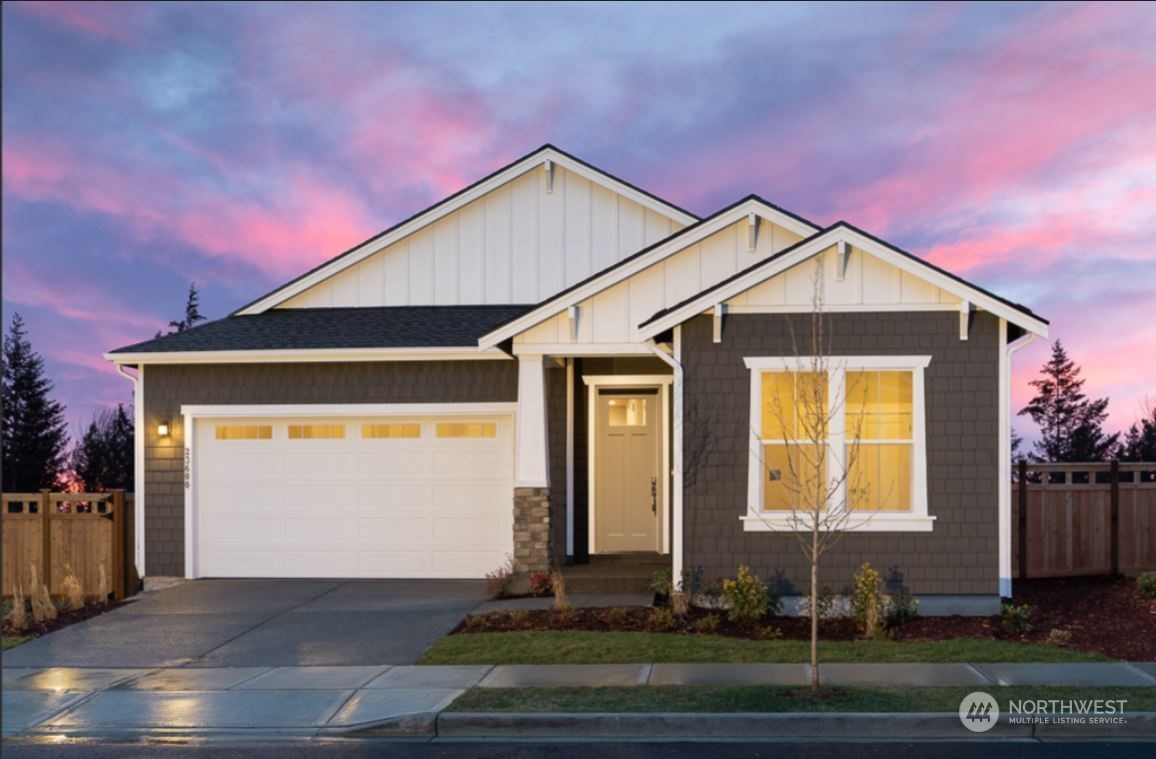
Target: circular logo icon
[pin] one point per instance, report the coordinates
(979, 712)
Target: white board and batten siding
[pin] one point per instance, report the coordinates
(867, 283)
(428, 506)
(612, 316)
(517, 243)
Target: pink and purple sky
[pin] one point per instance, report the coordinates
(147, 145)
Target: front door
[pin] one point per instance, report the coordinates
(627, 453)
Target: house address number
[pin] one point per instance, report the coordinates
(188, 468)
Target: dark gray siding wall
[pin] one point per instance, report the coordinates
(960, 556)
(167, 388)
(556, 436)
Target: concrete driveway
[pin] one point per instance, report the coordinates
(263, 623)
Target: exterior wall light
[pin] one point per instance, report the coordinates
(163, 428)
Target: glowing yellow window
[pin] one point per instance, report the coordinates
(794, 477)
(794, 406)
(370, 431)
(243, 432)
(467, 429)
(880, 423)
(316, 431)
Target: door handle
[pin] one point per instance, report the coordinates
(654, 495)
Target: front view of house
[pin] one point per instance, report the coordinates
(553, 364)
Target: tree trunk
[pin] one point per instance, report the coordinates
(814, 612)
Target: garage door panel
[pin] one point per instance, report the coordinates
(354, 506)
(467, 465)
(392, 467)
(392, 533)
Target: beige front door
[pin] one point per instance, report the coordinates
(627, 484)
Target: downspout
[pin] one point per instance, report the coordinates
(137, 465)
(676, 531)
(1005, 464)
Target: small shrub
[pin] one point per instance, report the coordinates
(768, 632)
(825, 602)
(903, 608)
(691, 581)
(707, 624)
(565, 613)
(679, 602)
(498, 581)
(102, 589)
(1015, 619)
(19, 614)
(71, 590)
(1059, 638)
(661, 618)
(520, 617)
(541, 583)
(616, 615)
(1147, 584)
(662, 583)
(867, 604)
(473, 622)
(558, 581)
(746, 597)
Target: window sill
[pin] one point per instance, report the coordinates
(873, 523)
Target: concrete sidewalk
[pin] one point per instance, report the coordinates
(406, 701)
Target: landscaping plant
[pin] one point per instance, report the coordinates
(903, 608)
(71, 589)
(661, 618)
(541, 583)
(19, 615)
(559, 584)
(746, 597)
(498, 581)
(1015, 619)
(43, 610)
(868, 602)
(1147, 584)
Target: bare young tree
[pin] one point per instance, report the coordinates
(811, 480)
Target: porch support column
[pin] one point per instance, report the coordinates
(532, 480)
(531, 467)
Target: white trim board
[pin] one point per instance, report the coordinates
(349, 409)
(804, 250)
(629, 267)
(326, 355)
(538, 158)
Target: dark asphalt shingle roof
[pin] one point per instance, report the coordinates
(336, 328)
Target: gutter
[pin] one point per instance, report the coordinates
(139, 431)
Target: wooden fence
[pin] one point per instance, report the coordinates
(1072, 520)
(90, 534)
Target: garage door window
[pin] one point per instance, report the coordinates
(379, 431)
(467, 429)
(316, 431)
(244, 432)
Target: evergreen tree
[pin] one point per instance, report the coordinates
(1071, 424)
(1140, 440)
(103, 459)
(34, 426)
(192, 313)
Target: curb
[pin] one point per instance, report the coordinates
(835, 726)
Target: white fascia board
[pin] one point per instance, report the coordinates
(580, 350)
(464, 353)
(531, 162)
(675, 243)
(821, 242)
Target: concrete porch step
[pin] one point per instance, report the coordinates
(615, 573)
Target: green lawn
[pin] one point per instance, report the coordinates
(768, 698)
(573, 647)
(11, 641)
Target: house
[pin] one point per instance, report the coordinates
(554, 364)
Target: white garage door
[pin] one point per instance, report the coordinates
(353, 497)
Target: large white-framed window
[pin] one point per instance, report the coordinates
(856, 422)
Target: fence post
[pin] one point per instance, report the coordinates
(1114, 480)
(1023, 518)
(46, 538)
(118, 524)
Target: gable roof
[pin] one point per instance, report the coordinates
(837, 232)
(363, 250)
(646, 258)
(312, 329)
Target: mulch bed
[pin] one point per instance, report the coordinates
(64, 618)
(1106, 615)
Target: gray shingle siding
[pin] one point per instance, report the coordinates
(167, 388)
(960, 555)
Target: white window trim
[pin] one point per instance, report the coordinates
(917, 520)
